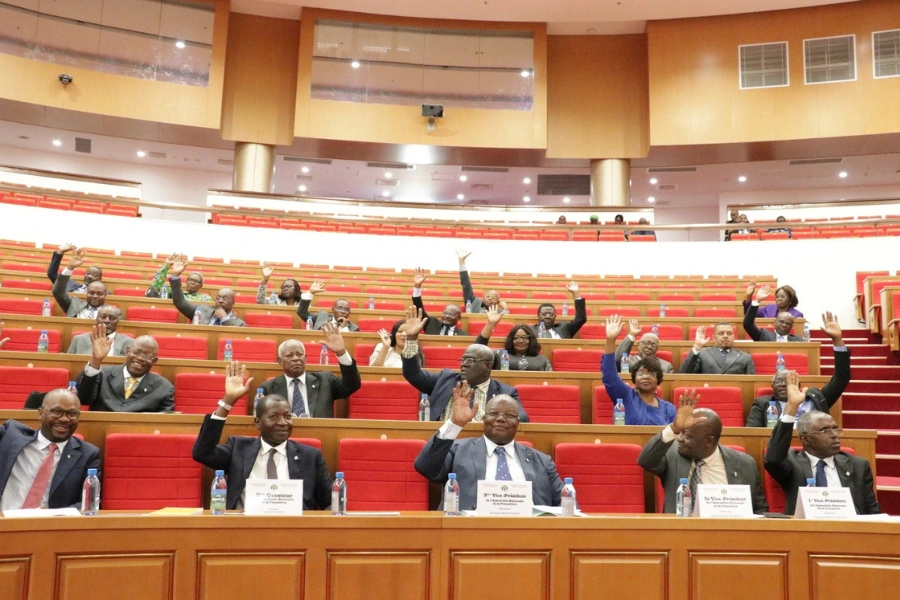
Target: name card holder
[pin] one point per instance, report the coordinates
(504, 499)
(824, 503)
(723, 501)
(274, 497)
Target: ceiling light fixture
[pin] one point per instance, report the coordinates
(842, 174)
(57, 142)
(180, 45)
(463, 178)
(742, 179)
(141, 154)
(527, 180)
(355, 64)
(654, 181)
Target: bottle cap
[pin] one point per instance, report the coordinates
(71, 384)
(43, 332)
(220, 473)
(618, 401)
(260, 391)
(683, 480)
(810, 481)
(771, 403)
(451, 476)
(227, 341)
(339, 474)
(92, 472)
(567, 480)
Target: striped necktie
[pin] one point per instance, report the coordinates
(41, 480)
(129, 386)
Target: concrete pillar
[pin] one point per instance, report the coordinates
(610, 182)
(253, 167)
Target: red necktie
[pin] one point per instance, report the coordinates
(41, 480)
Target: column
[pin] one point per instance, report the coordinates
(253, 166)
(610, 182)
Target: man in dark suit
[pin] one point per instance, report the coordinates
(449, 323)
(565, 330)
(697, 432)
(91, 274)
(45, 468)
(784, 322)
(816, 399)
(222, 313)
(313, 394)
(494, 456)
(821, 458)
(94, 295)
(128, 388)
(270, 456)
(110, 317)
(476, 305)
(474, 368)
(340, 310)
(722, 359)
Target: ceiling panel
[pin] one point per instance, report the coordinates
(133, 15)
(83, 10)
(186, 23)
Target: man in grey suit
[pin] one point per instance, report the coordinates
(784, 322)
(220, 314)
(722, 359)
(476, 305)
(312, 394)
(647, 347)
(91, 274)
(821, 458)
(94, 297)
(449, 322)
(697, 456)
(340, 310)
(110, 317)
(494, 456)
(128, 388)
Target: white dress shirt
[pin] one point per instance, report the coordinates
(713, 471)
(831, 474)
(261, 464)
(25, 470)
(450, 430)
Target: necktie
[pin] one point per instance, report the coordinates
(41, 480)
(724, 353)
(443, 330)
(271, 471)
(92, 313)
(695, 481)
(298, 407)
(502, 466)
(821, 480)
(129, 387)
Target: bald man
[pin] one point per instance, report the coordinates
(647, 347)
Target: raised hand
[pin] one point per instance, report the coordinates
(700, 339)
(3, 340)
(236, 383)
(832, 329)
(334, 340)
(751, 287)
(462, 254)
(613, 327)
(494, 315)
(462, 413)
(317, 286)
(572, 286)
(420, 277)
(100, 345)
(67, 247)
(171, 260)
(763, 293)
(267, 270)
(634, 328)
(795, 395)
(685, 417)
(179, 264)
(77, 259)
(385, 336)
(414, 322)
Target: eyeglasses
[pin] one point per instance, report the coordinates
(468, 360)
(829, 431)
(524, 338)
(507, 416)
(142, 355)
(57, 413)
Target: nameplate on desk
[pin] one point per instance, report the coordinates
(504, 499)
(274, 497)
(723, 501)
(824, 503)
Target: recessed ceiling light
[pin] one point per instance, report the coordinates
(525, 73)
(57, 142)
(842, 174)
(385, 193)
(460, 197)
(742, 179)
(526, 199)
(141, 154)
(304, 169)
(651, 199)
(355, 64)
(180, 45)
(654, 181)
(302, 188)
(388, 175)
(567, 200)
(463, 178)
(527, 180)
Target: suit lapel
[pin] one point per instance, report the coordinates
(67, 461)
(526, 456)
(144, 388)
(844, 469)
(479, 458)
(731, 468)
(293, 458)
(312, 392)
(803, 460)
(731, 358)
(17, 442)
(250, 458)
(117, 381)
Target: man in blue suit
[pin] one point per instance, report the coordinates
(45, 468)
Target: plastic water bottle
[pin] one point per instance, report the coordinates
(625, 367)
(371, 302)
(218, 494)
(779, 363)
(771, 414)
(568, 498)
(565, 309)
(90, 494)
(228, 353)
(424, 408)
(542, 331)
(164, 292)
(619, 412)
(73, 388)
(339, 495)
(468, 306)
(810, 482)
(43, 342)
(198, 318)
(806, 336)
(323, 355)
(504, 361)
(683, 505)
(451, 496)
(260, 394)
(46, 309)
(662, 310)
(309, 323)
(655, 329)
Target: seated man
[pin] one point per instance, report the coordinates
(270, 456)
(91, 274)
(449, 323)
(816, 399)
(45, 468)
(784, 322)
(192, 285)
(110, 317)
(128, 388)
(698, 456)
(821, 457)
(565, 330)
(220, 314)
(647, 348)
(94, 298)
(734, 217)
(643, 221)
(312, 394)
(492, 457)
(474, 368)
(340, 310)
(722, 359)
(477, 305)
(782, 229)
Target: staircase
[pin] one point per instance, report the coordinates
(872, 401)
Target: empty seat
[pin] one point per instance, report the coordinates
(675, 297)
(381, 290)
(247, 350)
(607, 476)
(276, 320)
(442, 357)
(667, 332)
(726, 401)
(374, 325)
(26, 340)
(380, 474)
(17, 382)
(501, 329)
(23, 267)
(717, 297)
(393, 400)
(549, 296)
(27, 284)
(551, 403)
(198, 393)
(150, 314)
(622, 311)
(765, 362)
(15, 306)
(715, 313)
(597, 331)
(175, 346)
(575, 360)
(631, 297)
(129, 291)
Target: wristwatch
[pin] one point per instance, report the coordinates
(225, 406)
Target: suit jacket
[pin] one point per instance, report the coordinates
(762, 335)
(322, 389)
(711, 362)
(65, 487)
(237, 455)
(106, 391)
(70, 304)
(188, 309)
(468, 459)
(664, 461)
(568, 329)
(53, 272)
(81, 344)
(439, 387)
(625, 347)
(322, 317)
(823, 399)
(477, 305)
(433, 325)
(791, 469)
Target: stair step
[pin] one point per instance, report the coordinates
(872, 386)
(888, 442)
(869, 402)
(880, 372)
(888, 465)
(871, 419)
(888, 490)
(872, 361)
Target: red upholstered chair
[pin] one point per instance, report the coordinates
(607, 476)
(148, 472)
(597, 331)
(717, 297)
(715, 313)
(523, 310)
(26, 340)
(765, 362)
(666, 332)
(247, 350)
(763, 391)
(385, 305)
(576, 360)
(380, 474)
(631, 297)
(313, 442)
(391, 400)
(443, 357)
(17, 382)
(374, 325)
(151, 314)
(501, 330)
(591, 296)
(670, 312)
(27, 284)
(343, 289)
(383, 290)
(198, 393)
(550, 403)
(675, 298)
(622, 311)
(773, 491)
(245, 298)
(22, 267)
(550, 296)
(269, 319)
(123, 275)
(174, 346)
(129, 291)
(361, 354)
(218, 282)
(15, 306)
(726, 401)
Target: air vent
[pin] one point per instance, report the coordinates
(764, 65)
(485, 170)
(387, 182)
(830, 59)
(564, 185)
(83, 145)
(667, 187)
(156, 154)
(312, 161)
(390, 165)
(886, 45)
(225, 162)
(304, 177)
(672, 170)
(478, 201)
(815, 161)
(482, 187)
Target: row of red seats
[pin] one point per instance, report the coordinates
(811, 233)
(88, 206)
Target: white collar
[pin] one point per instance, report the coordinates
(265, 447)
(42, 442)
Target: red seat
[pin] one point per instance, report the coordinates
(381, 290)
(443, 357)
(391, 400)
(149, 314)
(23, 267)
(380, 474)
(176, 346)
(149, 472)
(126, 291)
(551, 403)
(670, 312)
(276, 320)
(361, 354)
(218, 281)
(597, 331)
(607, 476)
(501, 329)
(762, 391)
(247, 350)
(379, 305)
(622, 311)
(370, 325)
(15, 306)
(726, 401)
(123, 275)
(595, 296)
(198, 393)
(675, 298)
(576, 360)
(715, 313)
(718, 297)
(765, 362)
(642, 238)
(244, 298)
(745, 237)
(17, 382)
(343, 289)
(667, 332)
(27, 284)
(630, 297)
(549, 296)
(26, 340)
(326, 303)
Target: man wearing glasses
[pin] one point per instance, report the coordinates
(492, 457)
(45, 468)
(821, 458)
(647, 346)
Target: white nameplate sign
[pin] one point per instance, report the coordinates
(504, 499)
(723, 501)
(274, 497)
(824, 503)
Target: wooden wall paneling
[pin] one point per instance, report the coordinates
(842, 576)
(14, 576)
(745, 576)
(149, 576)
(239, 575)
(619, 575)
(378, 574)
(471, 570)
